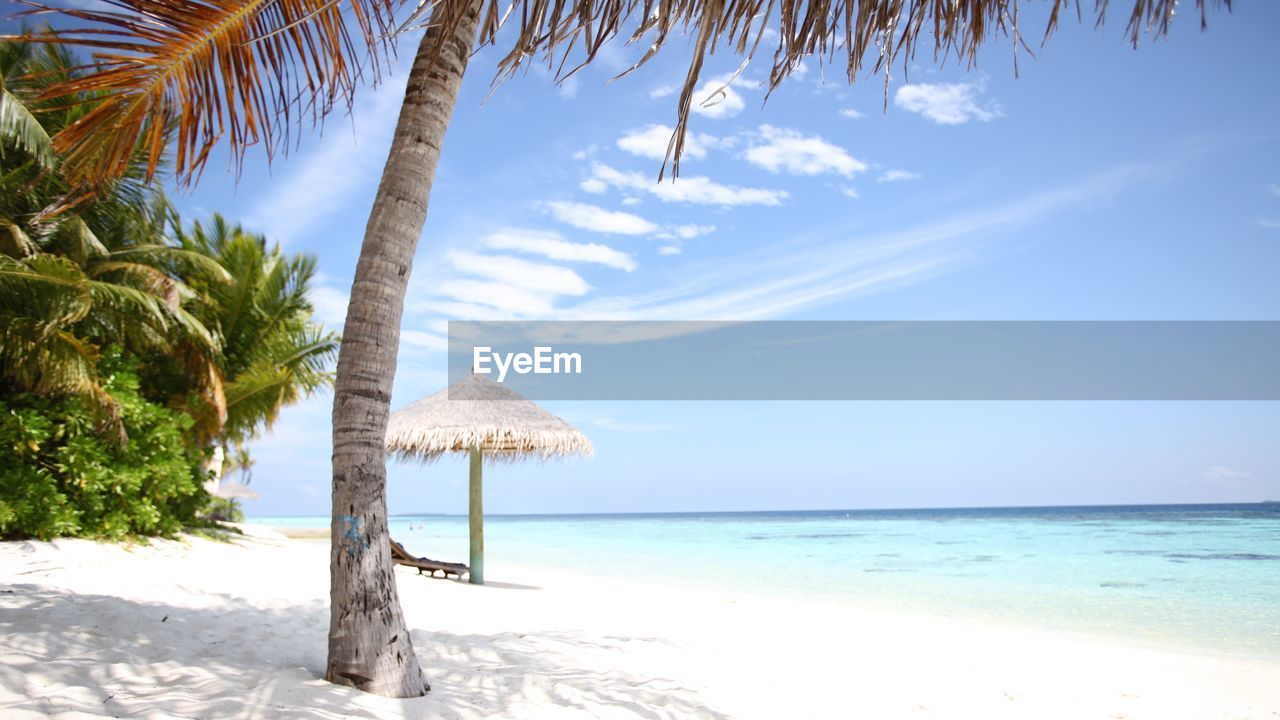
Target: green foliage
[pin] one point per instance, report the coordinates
(223, 510)
(60, 475)
(79, 273)
(209, 330)
(273, 353)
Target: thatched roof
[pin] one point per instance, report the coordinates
(477, 411)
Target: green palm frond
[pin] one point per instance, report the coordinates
(14, 241)
(20, 129)
(179, 260)
(53, 291)
(154, 311)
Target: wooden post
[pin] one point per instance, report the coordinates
(477, 518)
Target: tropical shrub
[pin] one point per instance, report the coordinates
(62, 474)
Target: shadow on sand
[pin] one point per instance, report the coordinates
(108, 656)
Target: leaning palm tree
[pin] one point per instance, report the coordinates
(244, 68)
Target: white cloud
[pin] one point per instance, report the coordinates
(669, 250)
(508, 301)
(595, 186)
(779, 280)
(423, 340)
(947, 103)
(1225, 476)
(600, 220)
(1274, 190)
(715, 98)
(662, 91)
(851, 114)
(694, 190)
(778, 149)
(897, 176)
(652, 141)
(850, 192)
(553, 246)
(517, 273)
(689, 232)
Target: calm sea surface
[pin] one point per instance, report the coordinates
(1193, 576)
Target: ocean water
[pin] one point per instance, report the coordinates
(1202, 577)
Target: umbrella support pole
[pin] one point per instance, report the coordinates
(476, 518)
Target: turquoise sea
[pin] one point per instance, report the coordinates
(1202, 577)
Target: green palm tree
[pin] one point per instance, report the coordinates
(283, 61)
(98, 274)
(272, 353)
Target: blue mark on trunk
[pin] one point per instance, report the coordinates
(353, 539)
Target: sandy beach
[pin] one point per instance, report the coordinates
(204, 629)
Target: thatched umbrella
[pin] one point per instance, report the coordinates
(492, 423)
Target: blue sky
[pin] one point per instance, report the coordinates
(1101, 184)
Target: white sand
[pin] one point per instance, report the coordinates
(208, 630)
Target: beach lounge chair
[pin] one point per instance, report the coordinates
(402, 557)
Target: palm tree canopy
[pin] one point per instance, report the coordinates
(252, 70)
(475, 412)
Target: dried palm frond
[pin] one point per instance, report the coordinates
(248, 70)
(189, 62)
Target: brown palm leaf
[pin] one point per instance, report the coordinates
(246, 70)
(849, 33)
(192, 62)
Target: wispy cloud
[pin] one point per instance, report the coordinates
(687, 189)
(423, 340)
(599, 220)
(553, 246)
(782, 149)
(314, 187)
(569, 88)
(852, 114)
(947, 103)
(537, 277)
(628, 426)
(780, 278)
(1225, 477)
(897, 176)
(481, 300)
(1274, 190)
(785, 278)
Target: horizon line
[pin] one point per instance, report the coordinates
(813, 510)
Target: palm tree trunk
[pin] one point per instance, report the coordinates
(369, 644)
